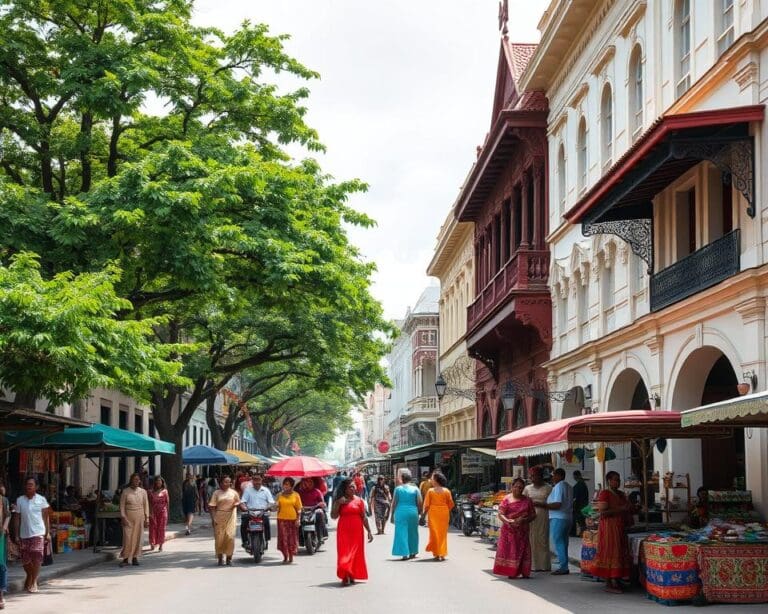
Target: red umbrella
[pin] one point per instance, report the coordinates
(301, 467)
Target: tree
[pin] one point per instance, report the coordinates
(239, 252)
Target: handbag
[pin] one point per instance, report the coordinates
(47, 554)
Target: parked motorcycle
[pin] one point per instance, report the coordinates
(469, 518)
(257, 542)
(310, 536)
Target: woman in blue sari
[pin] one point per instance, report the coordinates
(406, 509)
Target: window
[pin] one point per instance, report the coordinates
(725, 29)
(581, 151)
(636, 92)
(609, 281)
(561, 177)
(562, 315)
(521, 420)
(683, 40)
(583, 307)
(606, 126)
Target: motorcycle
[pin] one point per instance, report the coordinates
(257, 542)
(310, 536)
(469, 518)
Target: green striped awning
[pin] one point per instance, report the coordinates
(749, 410)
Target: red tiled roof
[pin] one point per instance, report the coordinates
(518, 55)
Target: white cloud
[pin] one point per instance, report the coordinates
(404, 98)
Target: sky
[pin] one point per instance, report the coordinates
(403, 101)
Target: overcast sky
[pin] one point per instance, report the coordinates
(404, 98)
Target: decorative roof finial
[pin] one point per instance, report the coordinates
(503, 16)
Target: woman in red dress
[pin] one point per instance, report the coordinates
(158, 513)
(612, 560)
(513, 552)
(350, 548)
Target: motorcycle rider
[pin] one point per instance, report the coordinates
(258, 497)
(312, 497)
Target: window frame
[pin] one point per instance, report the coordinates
(726, 18)
(606, 125)
(561, 177)
(582, 153)
(682, 24)
(636, 86)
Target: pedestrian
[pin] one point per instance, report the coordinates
(437, 507)
(33, 531)
(513, 551)
(380, 502)
(190, 501)
(612, 561)
(359, 484)
(144, 481)
(406, 509)
(5, 520)
(223, 508)
(158, 513)
(560, 506)
(134, 512)
(257, 497)
(288, 509)
(349, 509)
(580, 501)
(425, 484)
(538, 491)
(312, 497)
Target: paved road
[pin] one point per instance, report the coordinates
(185, 579)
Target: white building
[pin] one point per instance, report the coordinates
(656, 175)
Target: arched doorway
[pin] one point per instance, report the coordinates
(628, 392)
(707, 376)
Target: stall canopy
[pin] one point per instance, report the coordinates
(206, 455)
(749, 410)
(97, 439)
(248, 459)
(615, 426)
(13, 419)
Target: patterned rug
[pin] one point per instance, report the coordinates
(588, 552)
(732, 573)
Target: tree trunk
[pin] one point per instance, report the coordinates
(172, 468)
(217, 433)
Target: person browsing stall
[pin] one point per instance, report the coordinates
(257, 497)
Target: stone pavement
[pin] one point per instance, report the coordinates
(77, 560)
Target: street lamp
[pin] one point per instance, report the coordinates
(440, 387)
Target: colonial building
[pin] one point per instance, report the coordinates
(504, 196)
(412, 371)
(659, 277)
(453, 265)
(375, 414)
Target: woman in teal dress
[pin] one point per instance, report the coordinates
(406, 509)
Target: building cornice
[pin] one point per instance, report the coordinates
(452, 236)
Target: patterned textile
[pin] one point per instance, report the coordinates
(513, 552)
(588, 552)
(670, 570)
(287, 537)
(32, 550)
(734, 573)
(613, 559)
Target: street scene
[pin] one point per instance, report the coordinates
(435, 306)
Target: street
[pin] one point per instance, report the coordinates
(185, 578)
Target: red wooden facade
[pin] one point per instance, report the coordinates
(509, 325)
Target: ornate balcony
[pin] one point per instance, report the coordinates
(702, 269)
(526, 269)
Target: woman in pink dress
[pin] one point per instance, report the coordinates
(513, 552)
(158, 513)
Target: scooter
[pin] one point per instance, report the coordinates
(309, 531)
(256, 540)
(469, 519)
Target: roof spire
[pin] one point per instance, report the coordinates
(503, 17)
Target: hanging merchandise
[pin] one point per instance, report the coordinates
(661, 444)
(579, 453)
(569, 454)
(33, 461)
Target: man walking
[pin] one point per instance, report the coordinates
(580, 501)
(560, 506)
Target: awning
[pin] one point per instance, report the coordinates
(749, 410)
(604, 427)
(487, 451)
(248, 459)
(14, 419)
(97, 439)
(206, 455)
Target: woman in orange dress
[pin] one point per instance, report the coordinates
(438, 505)
(350, 548)
(612, 560)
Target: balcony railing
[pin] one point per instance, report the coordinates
(702, 269)
(524, 270)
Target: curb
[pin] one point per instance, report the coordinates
(17, 585)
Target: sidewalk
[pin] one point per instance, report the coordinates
(574, 553)
(70, 562)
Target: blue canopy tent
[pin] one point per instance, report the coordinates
(206, 455)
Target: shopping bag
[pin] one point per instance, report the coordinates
(48, 554)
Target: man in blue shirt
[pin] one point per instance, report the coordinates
(560, 506)
(258, 497)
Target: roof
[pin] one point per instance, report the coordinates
(14, 419)
(603, 427)
(429, 301)
(518, 55)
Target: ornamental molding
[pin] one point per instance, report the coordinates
(555, 126)
(602, 60)
(637, 233)
(578, 95)
(633, 17)
(655, 344)
(747, 76)
(752, 310)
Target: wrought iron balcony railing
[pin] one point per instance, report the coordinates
(700, 270)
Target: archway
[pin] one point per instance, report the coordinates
(628, 392)
(707, 376)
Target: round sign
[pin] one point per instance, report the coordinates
(383, 447)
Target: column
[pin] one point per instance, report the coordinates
(504, 225)
(513, 213)
(525, 240)
(538, 204)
